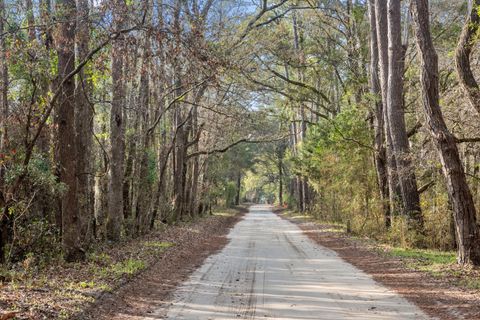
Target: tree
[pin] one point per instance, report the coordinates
(117, 128)
(379, 123)
(396, 118)
(4, 217)
(466, 43)
(460, 196)
(382, 38)
(65, 120)
(84, 125)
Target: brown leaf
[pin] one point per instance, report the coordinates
(8, 315)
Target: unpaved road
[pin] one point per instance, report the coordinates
(270, 269)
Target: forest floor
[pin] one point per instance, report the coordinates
(429, 279)
(109, 281)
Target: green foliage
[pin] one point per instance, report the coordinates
(336, 158)
(400, 234)
(152, 167)
(99, 258)
(473, 284)
(38, 174)
(230, 193)
(128, 267)
(159, 244)
(425, 256)
(224, 172)
(39, 242)
(84, 284)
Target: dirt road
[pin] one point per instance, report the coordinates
(270, 269)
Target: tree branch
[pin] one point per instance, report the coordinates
(225, 149)
(425, 187)
(465, 140)
(414, 130)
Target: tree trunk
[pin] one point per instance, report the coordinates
(65, 44)
(382, 40)
(3, 82)
(379, 124)
(462, 202)
(3, 129)
(30, 21)
(280, 181)
(45, 12)
(117, 133)
(143, 204)
(298, 45)
(239, 186)
(396, 117)
(180, 174)
(127, 181)
(180, 161)
(195, 170)
(162, 165)
(84, 126)
(468, 39)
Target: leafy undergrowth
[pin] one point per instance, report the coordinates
(438, 264)
(60, 289)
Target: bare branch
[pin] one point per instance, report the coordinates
(225, 149)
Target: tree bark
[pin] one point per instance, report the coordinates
(239, 187)
(117, 132)
(30, 21)
(194, 197)
(65, 44)
(3, 129)
(280, 181)
(379, 123)
(84, 127)
(45, 12)
(459, 192)
(3, 82)
(395, 192)
(179, 178)
(298, 45)
(143, 204)
(468, 39)
(180, 172)
(396, 117)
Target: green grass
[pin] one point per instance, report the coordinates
(85, 284)
(158, 244)
(471, 284)
(128, 267)
(428, 257)
(99, 258)
(433, 262)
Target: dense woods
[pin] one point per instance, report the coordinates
(119, 116)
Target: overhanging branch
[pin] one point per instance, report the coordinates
(225, 149)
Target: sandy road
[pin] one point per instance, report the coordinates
(270, 270)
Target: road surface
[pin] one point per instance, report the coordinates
(271, 270)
